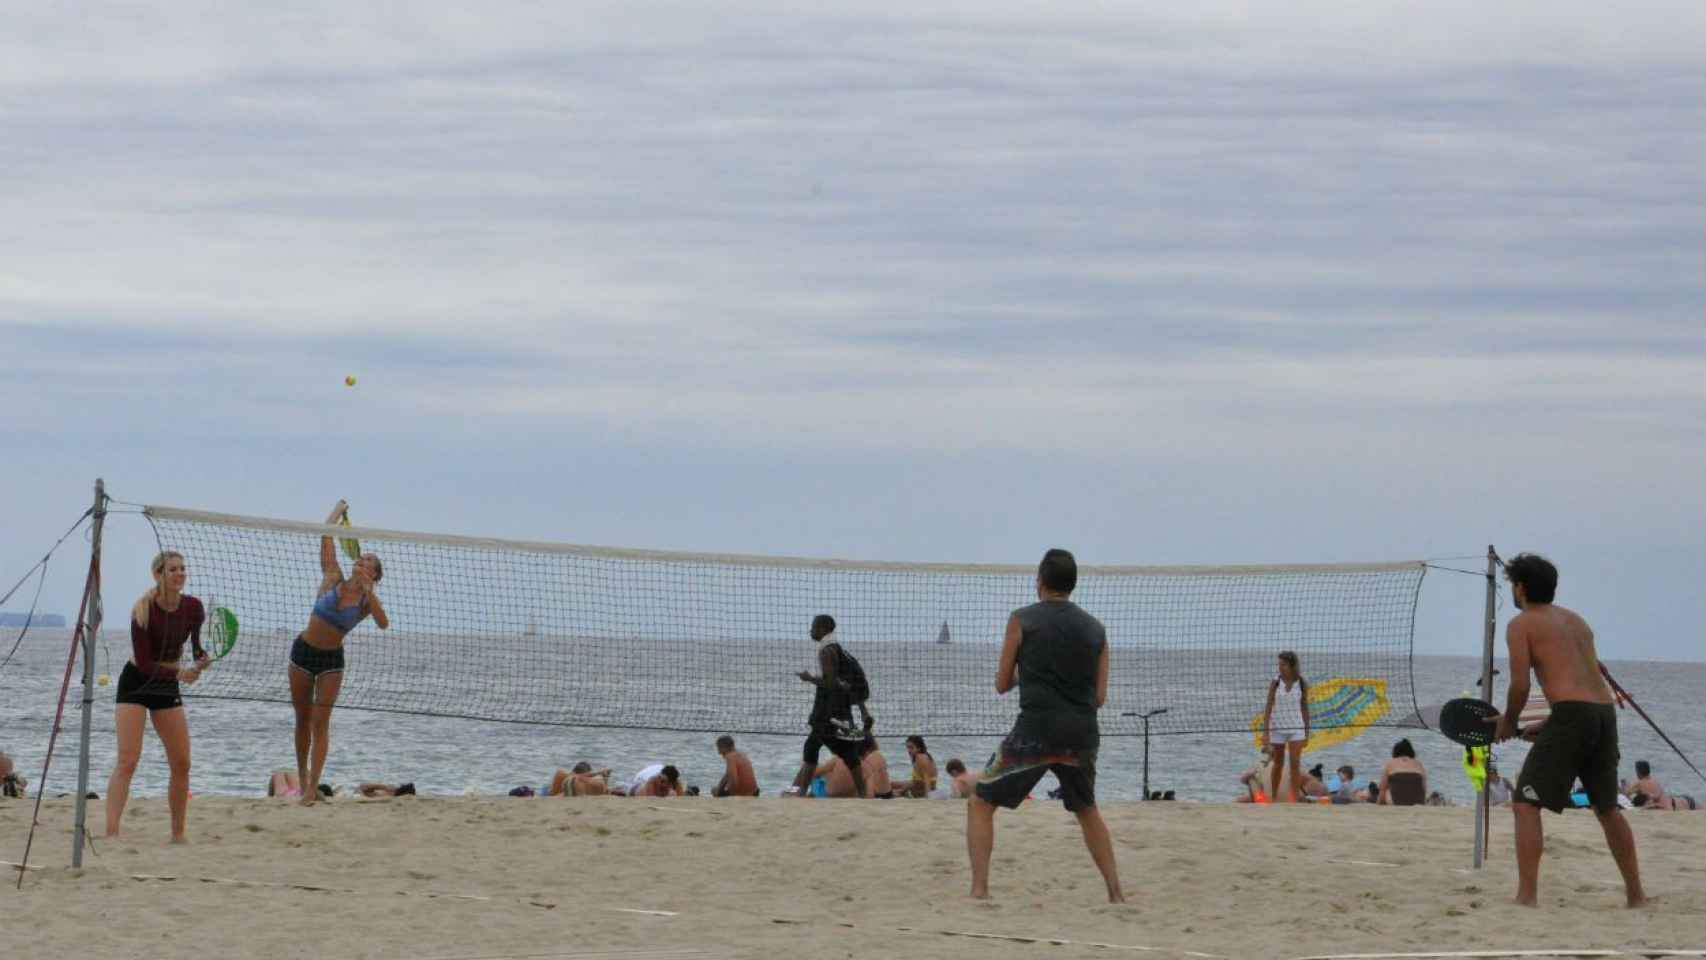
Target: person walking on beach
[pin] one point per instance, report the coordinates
(1285, 725)
(148, 689)
(831, 719)
(1057, 654)
(1578, 740)
(738, 778)
(317, 656)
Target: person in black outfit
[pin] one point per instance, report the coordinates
(1058, 657)
(832, 712)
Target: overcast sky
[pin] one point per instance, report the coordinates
(1266, 282)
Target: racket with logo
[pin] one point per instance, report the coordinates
(221, 632)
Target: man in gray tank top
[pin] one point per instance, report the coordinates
(1058, 656)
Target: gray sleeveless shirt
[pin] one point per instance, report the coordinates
(1058, 654)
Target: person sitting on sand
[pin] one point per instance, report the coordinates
(1644, 782)
(1313, 786)
(582, 781)
(284, 783)
(1402, 764)
(374, 791)
(832, 780)
(1680, 801)
(960, 780)
(923, 778)
(11, 784)
(657, 780)
(876, 769)
(1499, 789)
(738, 779)
(1255, 780)
(1347, 792)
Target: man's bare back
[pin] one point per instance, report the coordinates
(1560, 648)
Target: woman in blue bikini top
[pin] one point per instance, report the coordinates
(317, 656)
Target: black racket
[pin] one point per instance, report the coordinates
(1469, 721)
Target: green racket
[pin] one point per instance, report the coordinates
(352, 546)
(221, 632)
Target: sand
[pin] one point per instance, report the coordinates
(428, 877)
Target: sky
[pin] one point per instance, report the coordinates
(1238, 283)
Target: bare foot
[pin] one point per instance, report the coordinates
(1116, 896)
(307, 800)
(1640, 900)
(1529, 902)
(180, 838)
(977, 894)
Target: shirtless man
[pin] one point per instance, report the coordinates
(960, 780)
(738, 778)
(1579, 739)
(1645, 782)
(875, 767)
(837, 779)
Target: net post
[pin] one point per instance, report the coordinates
(1489, 629)
(90, 616)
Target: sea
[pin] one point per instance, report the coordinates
(237, 743)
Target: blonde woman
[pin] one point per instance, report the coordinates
(148, 688)
(317, 656)
(1285, 725)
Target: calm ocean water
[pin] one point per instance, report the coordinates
(237, 743)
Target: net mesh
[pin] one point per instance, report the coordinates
(598, 637)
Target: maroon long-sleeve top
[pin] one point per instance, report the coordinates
(155, 649)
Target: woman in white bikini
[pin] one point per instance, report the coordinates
(1285, 724)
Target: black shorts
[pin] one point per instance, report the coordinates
(152, 694)
(1579, 741)
(848, 750)
(315, 661)
(1008, 780)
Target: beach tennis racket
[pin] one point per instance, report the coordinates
(1469, 721)
(351, 546)
(221, 632)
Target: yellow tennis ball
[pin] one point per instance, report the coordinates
(102, 680)
(349, 381)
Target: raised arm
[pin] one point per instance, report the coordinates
(329, 567)
(1006, 672)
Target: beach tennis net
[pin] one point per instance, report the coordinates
(553, 633)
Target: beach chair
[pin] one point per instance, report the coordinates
(1406, 789)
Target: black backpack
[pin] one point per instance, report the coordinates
(852, 676)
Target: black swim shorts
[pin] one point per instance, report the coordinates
(1579, 741)
(1011, 775)
(315, 661)
(152, 694)
(826, 736)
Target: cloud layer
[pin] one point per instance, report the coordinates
(1382, 249)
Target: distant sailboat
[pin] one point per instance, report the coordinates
(943, 636)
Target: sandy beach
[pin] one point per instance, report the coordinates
(425, 877)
